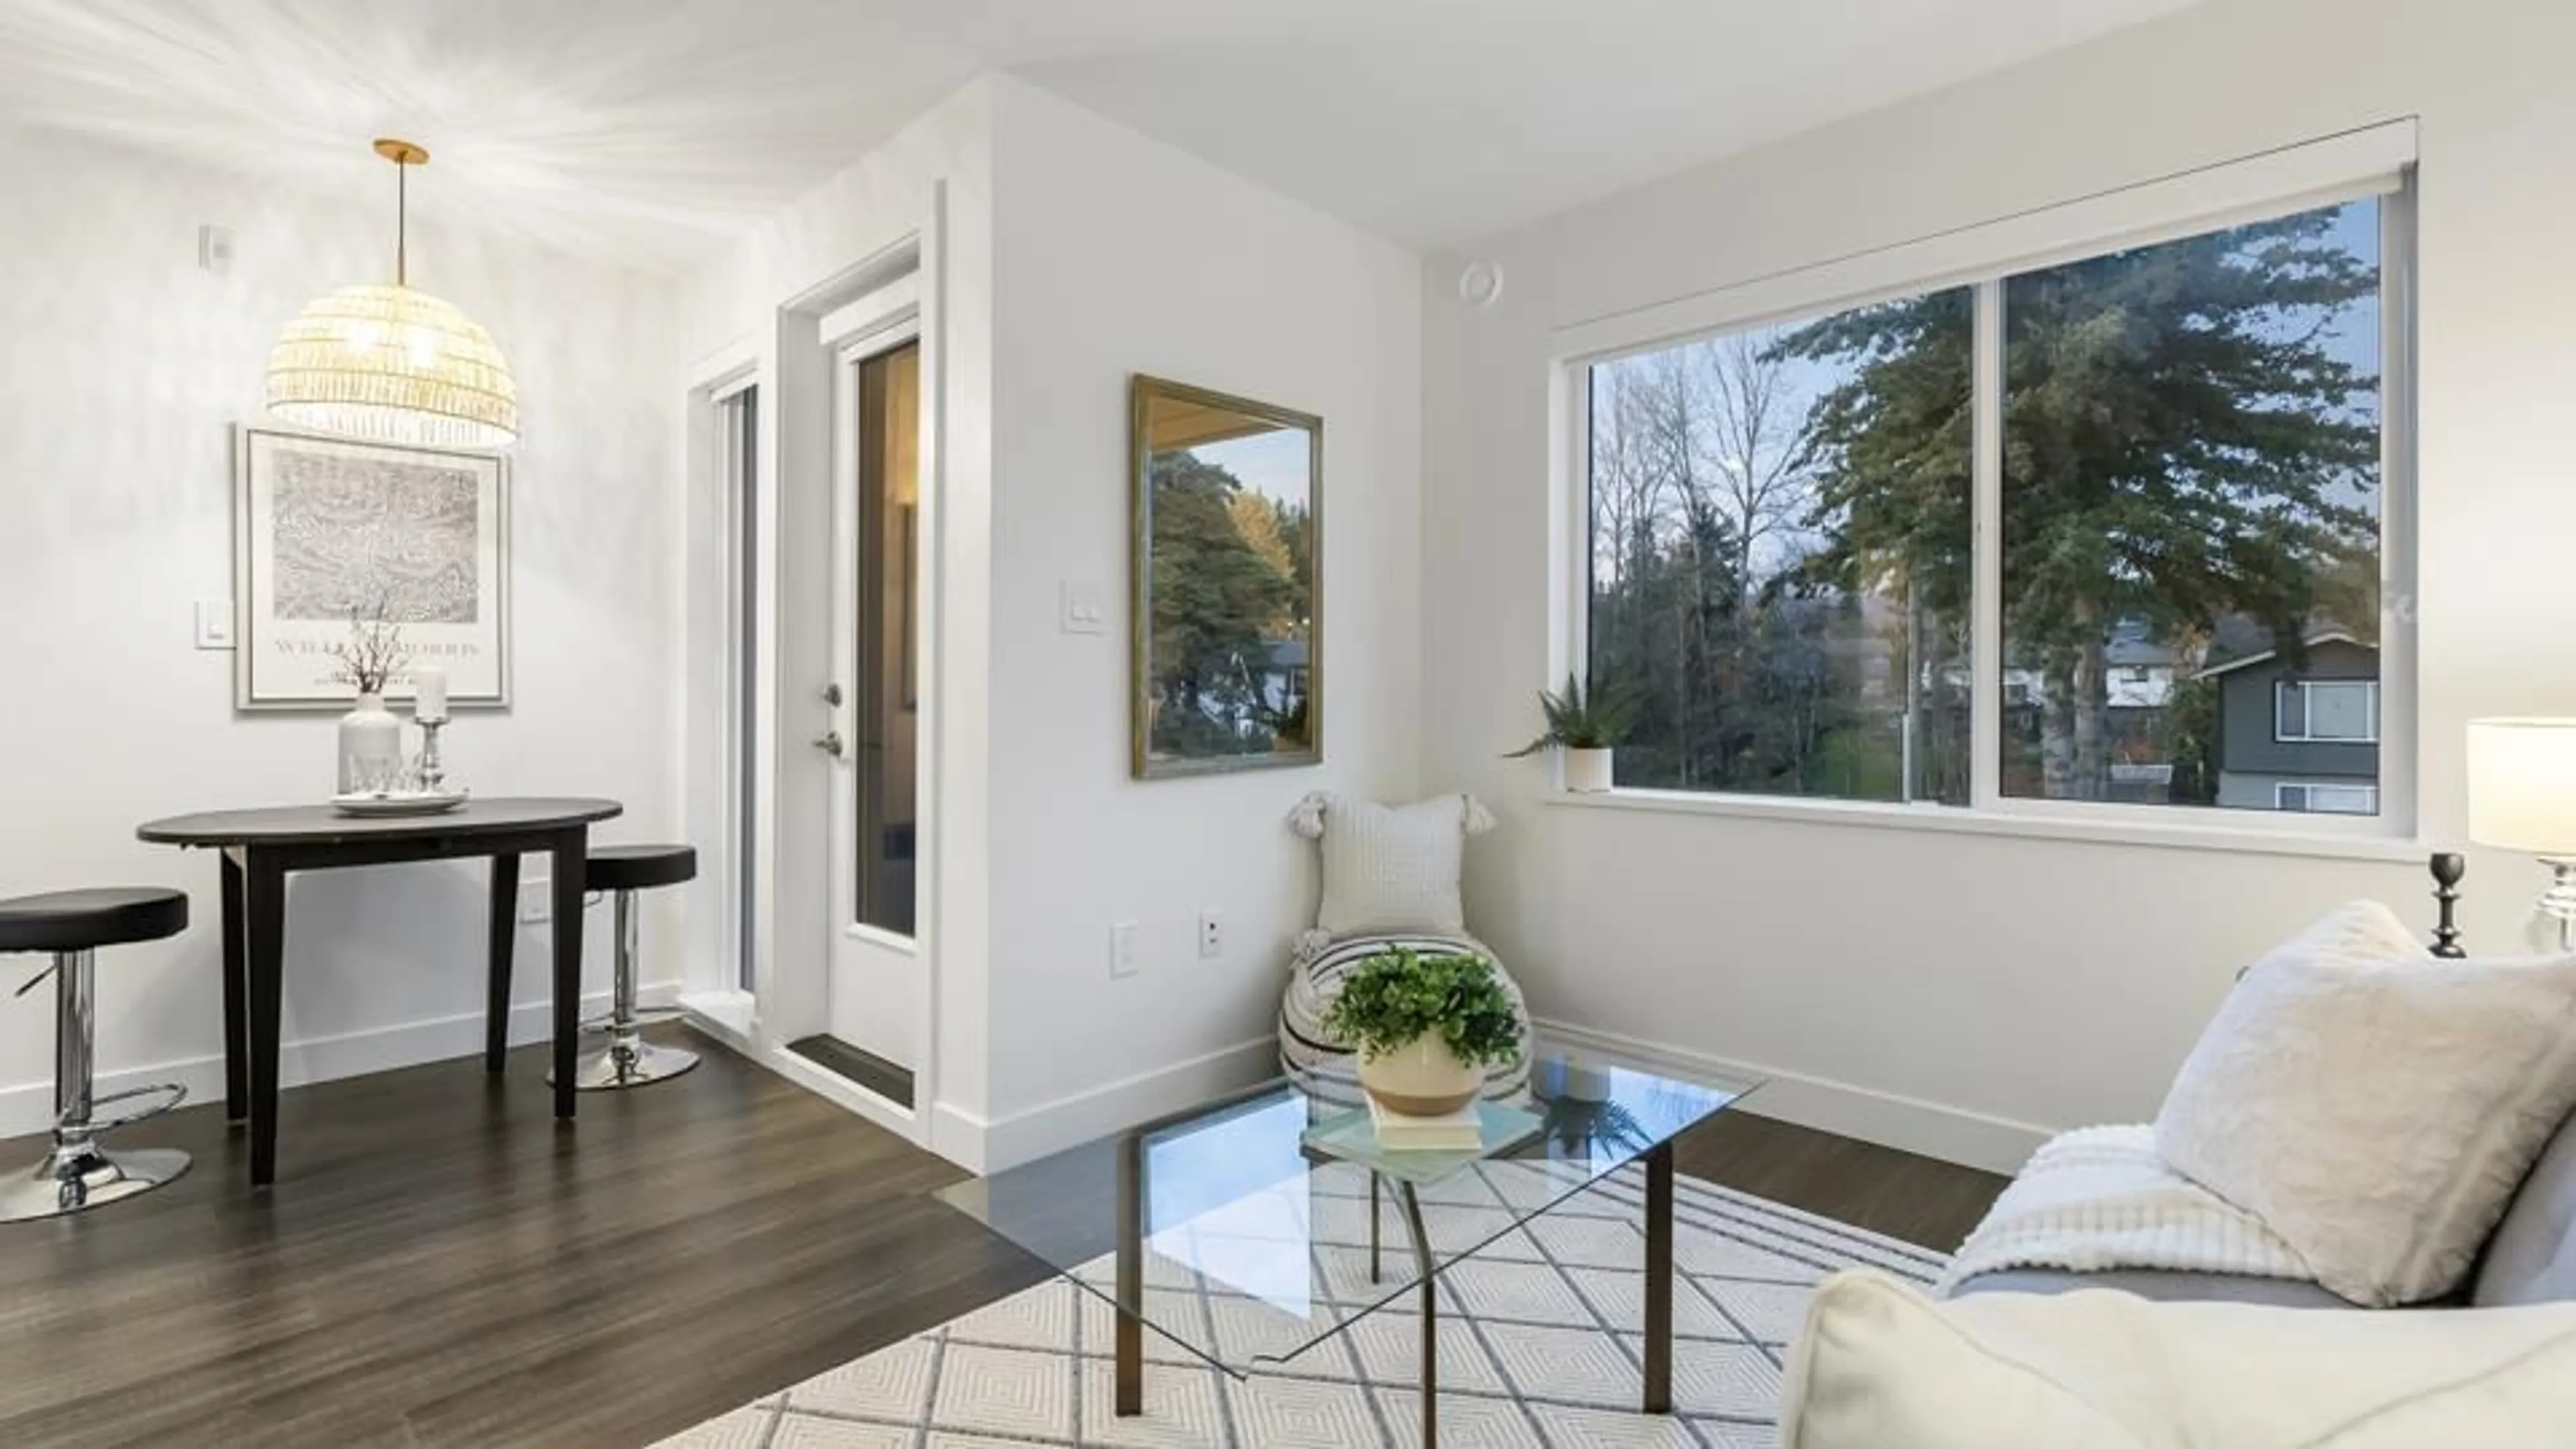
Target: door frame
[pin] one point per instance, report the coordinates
(795, 642)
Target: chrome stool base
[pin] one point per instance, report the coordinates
(629, 1065)
(72, 1179)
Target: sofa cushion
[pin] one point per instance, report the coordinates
(2376, 1110)
(2156, 1285)
(2532, 1257)
(1880, 1365)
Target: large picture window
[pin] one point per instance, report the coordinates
(2176, 450)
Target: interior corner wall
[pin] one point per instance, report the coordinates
(126, 369)
(1118, 254)
(1961, 994)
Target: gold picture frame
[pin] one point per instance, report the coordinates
(1226, 674)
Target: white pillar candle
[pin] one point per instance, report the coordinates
(429, 692)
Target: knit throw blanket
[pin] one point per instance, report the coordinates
(2100, 1198)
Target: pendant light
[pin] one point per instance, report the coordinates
(391, 364)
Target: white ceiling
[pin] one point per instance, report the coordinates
(650, 129)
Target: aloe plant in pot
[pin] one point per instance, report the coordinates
(1586, 727)
(1425, 1028)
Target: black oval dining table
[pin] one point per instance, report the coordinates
(262, 847)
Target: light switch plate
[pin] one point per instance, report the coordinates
(1085, 609)
(1122, 949)
(214, 623)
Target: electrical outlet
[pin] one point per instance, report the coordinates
(1211, 935)
(536, 902)
(1122, 948)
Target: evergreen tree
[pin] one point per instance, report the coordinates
(2180, 443)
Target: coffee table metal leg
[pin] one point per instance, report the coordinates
(1430, 1314)
(1131, 1277)
(1373, 1216)
(1659, 1280)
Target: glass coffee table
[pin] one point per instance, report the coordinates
(1223, 1230)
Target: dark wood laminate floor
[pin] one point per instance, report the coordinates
(439, 1264)
(1922, 1200)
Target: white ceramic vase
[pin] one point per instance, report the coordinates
(1422, 1078)
(371, 746)
(1587, 772)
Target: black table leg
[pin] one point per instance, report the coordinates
(1659, 1280)
(571, 860)
(504, 935)
(264, 975)
(236, 995)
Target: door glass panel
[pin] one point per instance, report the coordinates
(887, 701)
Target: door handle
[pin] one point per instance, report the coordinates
(829, 742)
(832, 694)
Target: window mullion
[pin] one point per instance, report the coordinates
(1986, 555)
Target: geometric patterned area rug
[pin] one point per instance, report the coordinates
(1539, 1347)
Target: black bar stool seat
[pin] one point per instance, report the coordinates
(629, 1060)
(639, 867)
(86, 920)
(71, 926)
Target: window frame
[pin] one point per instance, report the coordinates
(2376, 162)
(2281, 792)
(2370, 712)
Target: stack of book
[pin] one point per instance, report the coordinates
(1422, 1149)
(1459, 1131)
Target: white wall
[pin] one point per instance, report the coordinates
(1119, 254)
(1079, 252)
(1951, 992)
(124, 371)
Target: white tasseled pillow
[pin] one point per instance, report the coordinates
(1391, 868)
(2374, 1106)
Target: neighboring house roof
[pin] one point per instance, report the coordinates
(2239, 642)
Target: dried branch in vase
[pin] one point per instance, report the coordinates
(372, 654)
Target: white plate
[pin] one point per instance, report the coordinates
(396, 804)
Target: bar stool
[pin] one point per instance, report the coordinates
(71, 925)
(629, 1060)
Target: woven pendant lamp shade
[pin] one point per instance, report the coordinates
(391, 364)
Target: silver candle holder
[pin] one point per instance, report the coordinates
(433, 773)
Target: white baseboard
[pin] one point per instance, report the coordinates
(1996, 1144)
(988, 1146)
(29, 1107)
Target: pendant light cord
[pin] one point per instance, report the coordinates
(402, 223)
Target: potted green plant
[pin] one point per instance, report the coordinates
(1425, 1027)
(1587, 727)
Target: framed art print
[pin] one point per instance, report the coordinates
(330, 529)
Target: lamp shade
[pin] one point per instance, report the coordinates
(393, 365)
(2522, 785)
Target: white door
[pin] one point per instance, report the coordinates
(878, 974)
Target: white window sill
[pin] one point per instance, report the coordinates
(1954, 820)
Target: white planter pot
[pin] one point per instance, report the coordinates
(371, 745)
(1422, 1078)
(1587, 772)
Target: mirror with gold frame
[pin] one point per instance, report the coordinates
(1227, 672)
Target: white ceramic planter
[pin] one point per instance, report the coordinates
(1587, 772)
(1422, 1078)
